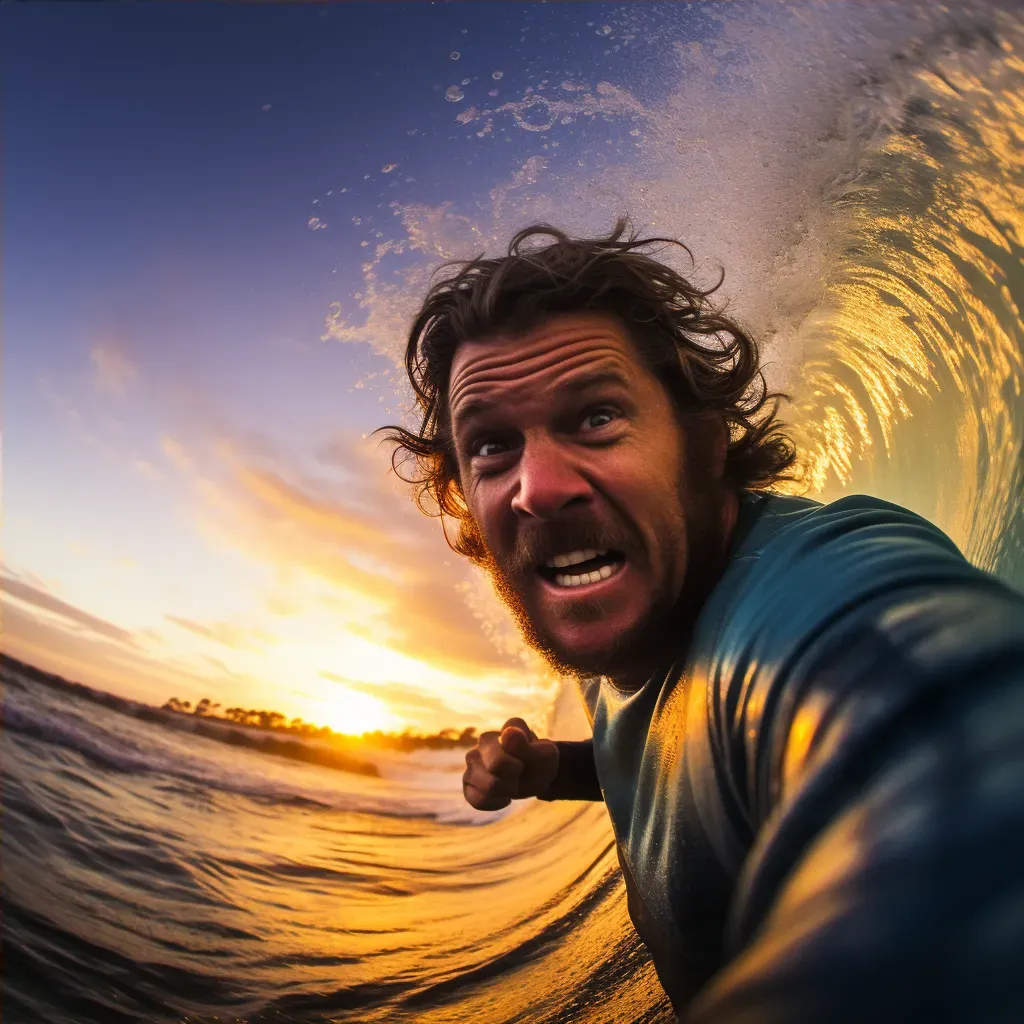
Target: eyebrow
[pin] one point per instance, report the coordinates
(582, 382)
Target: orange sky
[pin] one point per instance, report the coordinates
(358, 615)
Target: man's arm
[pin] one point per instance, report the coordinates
(881, 766)
(577, 774)
(514, 764)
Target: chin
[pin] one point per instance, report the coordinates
(586, 637)
(592, 651)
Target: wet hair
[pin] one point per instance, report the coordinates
(705, 360)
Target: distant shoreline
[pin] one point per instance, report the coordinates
(324, 753)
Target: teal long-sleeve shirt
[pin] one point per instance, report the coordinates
(819, 806)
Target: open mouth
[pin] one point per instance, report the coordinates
(582, 568)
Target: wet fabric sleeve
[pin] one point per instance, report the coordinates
(872, 726)
(577, 773)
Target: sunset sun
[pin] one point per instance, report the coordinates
(355, 713)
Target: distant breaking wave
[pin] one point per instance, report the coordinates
(193, 762)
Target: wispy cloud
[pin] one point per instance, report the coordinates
(225, 633)
(147, 470)
(409, 701)
(112, 369)
(386, 564)
(56, 645)
(48, 602)
(176, 453)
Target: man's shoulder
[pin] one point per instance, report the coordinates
(787, 519)
(785, 525)
(800, 561)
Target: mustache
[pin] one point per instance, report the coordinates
(537, 543)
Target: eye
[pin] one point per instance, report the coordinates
(483, 447)
(605, 413)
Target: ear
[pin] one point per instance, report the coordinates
(717, 434)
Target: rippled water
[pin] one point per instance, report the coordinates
(857, 171)
(136, 891)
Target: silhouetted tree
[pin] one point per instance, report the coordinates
(275, 720)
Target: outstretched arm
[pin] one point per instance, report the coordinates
(882, 768)
(514, 764)
(577, 773)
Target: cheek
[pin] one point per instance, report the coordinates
(658, 499)
(647, 485)
(486, 507)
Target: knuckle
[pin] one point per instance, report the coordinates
(503, 766)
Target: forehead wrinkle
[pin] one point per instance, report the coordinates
(482, 376)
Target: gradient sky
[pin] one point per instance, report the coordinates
(197, 201)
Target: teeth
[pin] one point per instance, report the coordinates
(567, 580)
(573, 557)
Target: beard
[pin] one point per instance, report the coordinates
(672, 611)
(622, 657)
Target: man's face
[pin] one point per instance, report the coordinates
(569, 451)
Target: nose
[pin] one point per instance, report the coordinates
(548, 480)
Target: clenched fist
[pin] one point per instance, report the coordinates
(508, 766)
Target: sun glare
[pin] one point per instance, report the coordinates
(355, 713)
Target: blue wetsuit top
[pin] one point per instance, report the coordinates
(819, 806)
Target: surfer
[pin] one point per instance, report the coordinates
(808, 719)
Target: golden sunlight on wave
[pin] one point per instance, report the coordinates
(912, 364)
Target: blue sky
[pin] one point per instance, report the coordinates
(188, 188)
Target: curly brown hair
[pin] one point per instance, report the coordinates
(667, 318)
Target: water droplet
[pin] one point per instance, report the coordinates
(454, 55)
(466, 81)
(453, 94)
(497, 74)
(534, 114)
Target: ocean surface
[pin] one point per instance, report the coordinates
(151, 875)
(858, 170)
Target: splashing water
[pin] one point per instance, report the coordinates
(864, 201)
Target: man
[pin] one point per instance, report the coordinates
(808, 720)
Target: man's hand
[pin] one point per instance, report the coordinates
(508, 766)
